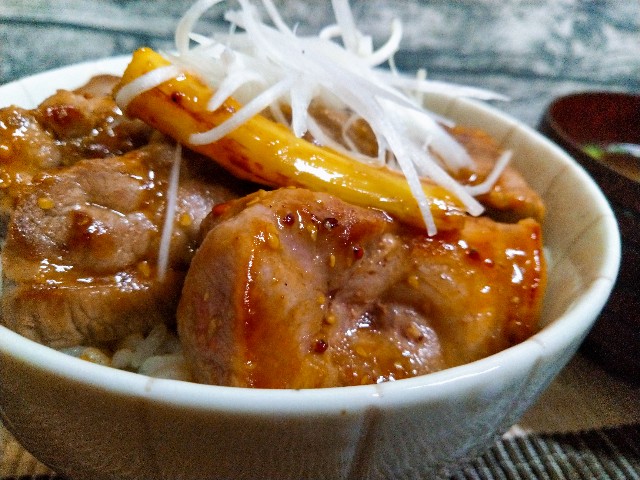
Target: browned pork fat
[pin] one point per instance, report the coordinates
(82, 246)
(294, 289)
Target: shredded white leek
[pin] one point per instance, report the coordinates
(252, 108)
(170, 212)
(264, 65)
(144, 83)
(492, 178)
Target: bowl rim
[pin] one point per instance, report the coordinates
(323, 401)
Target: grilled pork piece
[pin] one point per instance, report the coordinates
(87, 123)
(85, 190)
(510, 199)
(294, 289)
(82, 246)
(66, 127)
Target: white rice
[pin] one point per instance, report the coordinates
(159, 354)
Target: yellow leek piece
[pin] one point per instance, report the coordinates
(268, 153)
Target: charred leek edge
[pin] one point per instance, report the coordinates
(265, 152)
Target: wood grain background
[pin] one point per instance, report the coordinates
(530, 50)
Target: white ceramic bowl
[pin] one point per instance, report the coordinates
(89, 421)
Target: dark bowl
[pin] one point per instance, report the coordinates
(601, 130)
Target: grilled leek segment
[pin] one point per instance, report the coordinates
(266, 152)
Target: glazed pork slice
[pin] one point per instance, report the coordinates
(69, 126)
(295, 289)
(87, 123)
(510, 199)
(81, 255)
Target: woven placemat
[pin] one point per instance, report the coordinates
(602, 454)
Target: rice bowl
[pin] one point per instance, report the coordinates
(90, 421)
